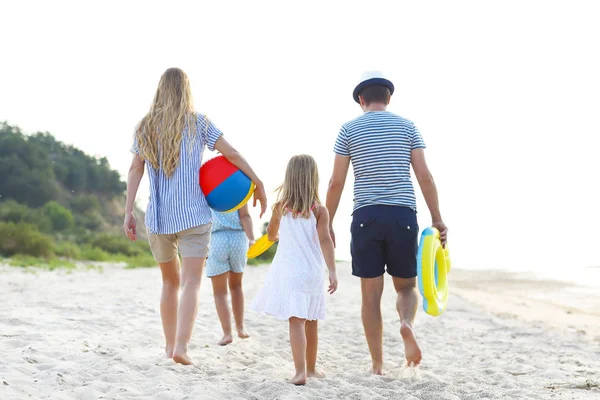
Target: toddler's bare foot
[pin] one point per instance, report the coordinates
(315, 374)
(243, 334)
(226, 340)
(412, 351)
(299, 379)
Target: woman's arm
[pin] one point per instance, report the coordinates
(246, 221)
(234, 157)
(136, 172)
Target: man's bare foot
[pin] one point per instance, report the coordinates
(412, 352)
(299, 379)
(315, 374)
(182, 358)
(243, 334)
(226, 340)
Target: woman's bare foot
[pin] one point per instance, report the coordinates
(315, 374)
(299, 379)
(226, 340)
(412, 352)
(243, 334)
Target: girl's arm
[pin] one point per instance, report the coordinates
(273, 227)
(246, 221)
(327, 246)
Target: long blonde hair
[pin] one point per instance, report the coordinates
(162, 128)
(300, 189)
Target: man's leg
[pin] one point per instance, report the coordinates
(406, 304)
(372, 289)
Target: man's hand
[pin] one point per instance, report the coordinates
(129, 226)
(261, 196)
(440, 226)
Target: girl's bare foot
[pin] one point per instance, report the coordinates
(226, 340)
(412, 351)
(169, 352)
(377, 371)
(315, 374)
(243, 334)
(299, 379)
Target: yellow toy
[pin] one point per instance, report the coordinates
(259, 247)
(433, 265)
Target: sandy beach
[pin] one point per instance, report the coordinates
(96, 334)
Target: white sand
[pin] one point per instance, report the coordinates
(93, 335)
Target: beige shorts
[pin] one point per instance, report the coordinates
(192, 242)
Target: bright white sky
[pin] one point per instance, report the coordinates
(506, 96)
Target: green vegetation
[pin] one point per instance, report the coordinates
(58, 204)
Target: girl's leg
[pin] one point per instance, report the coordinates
(298, 342)
(219, 283)
(237, 302)
(191, 276)
(312, 343)
(169, 301)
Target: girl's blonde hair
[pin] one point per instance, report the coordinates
(162, 128)
(300, 189)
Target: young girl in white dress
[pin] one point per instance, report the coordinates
(294, 289)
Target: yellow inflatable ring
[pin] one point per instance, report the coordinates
(433, 265)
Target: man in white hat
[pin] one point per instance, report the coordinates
(382, 146)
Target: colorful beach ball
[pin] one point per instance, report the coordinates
(225, 187)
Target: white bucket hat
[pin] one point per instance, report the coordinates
(371, 78)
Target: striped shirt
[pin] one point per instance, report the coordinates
(379, 144)
(177, 203)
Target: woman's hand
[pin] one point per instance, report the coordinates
(129, 226)
(261, 196)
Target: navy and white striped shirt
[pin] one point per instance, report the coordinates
(379, 144)
(177, 203)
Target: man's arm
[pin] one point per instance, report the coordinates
(429, 190)
(336, 187)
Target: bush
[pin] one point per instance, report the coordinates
(114, 244)
(85, 204)
(68, 250)
(11, 211)
(61, 218)
(24, 238)
(24, 261)
(90, 253)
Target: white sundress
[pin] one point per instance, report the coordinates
(295, 283)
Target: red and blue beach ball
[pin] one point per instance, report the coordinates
(225, 187)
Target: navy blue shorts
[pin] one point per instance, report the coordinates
(384, 236)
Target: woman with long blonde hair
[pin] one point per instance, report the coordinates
(295, 286)
(170, 141)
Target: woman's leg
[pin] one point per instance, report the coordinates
(219, 283)
(298, 343)
(237, 302)
(191, 275)
(169, 301)
(312, 344)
